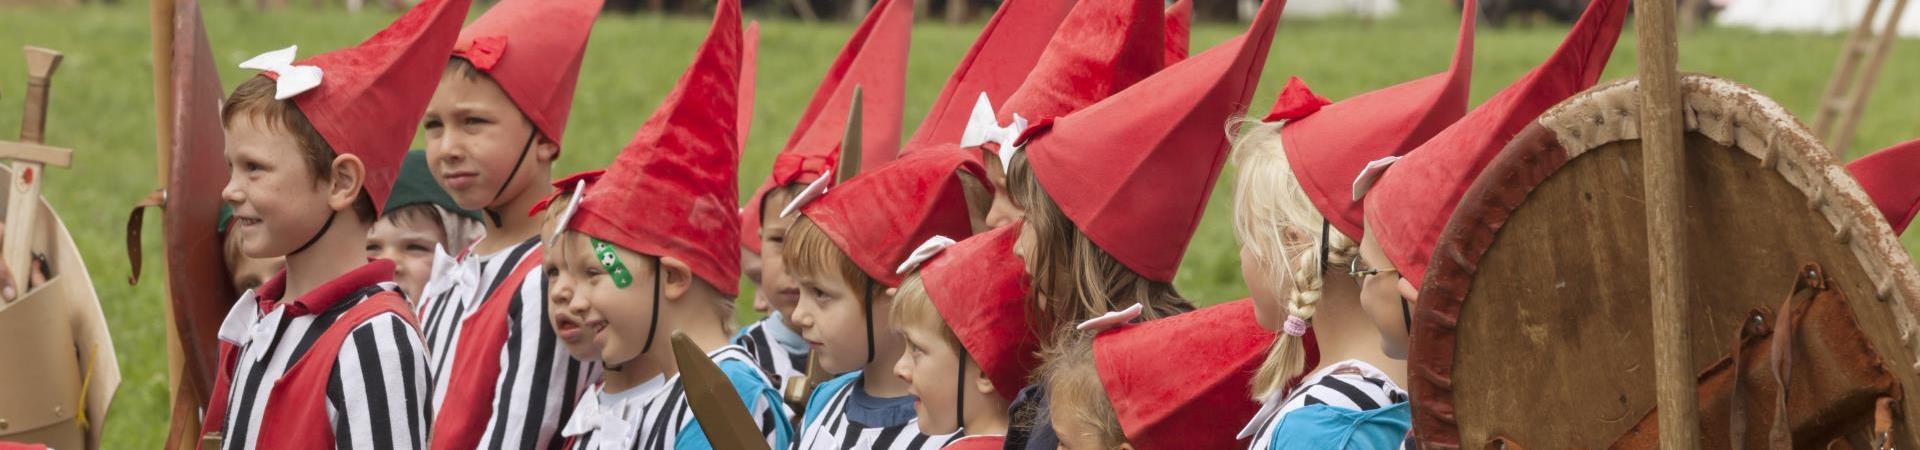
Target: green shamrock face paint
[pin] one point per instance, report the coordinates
(611, 261)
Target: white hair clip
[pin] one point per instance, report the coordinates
(927, 249)
(573, 206)
(290, 80)
(983, 126)
(814, 190)
(1110, 319)
(1370, 174)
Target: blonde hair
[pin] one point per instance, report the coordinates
(1268, 201)
(1071, 378)
(912, 308)
(1073, 278)
(810, 253)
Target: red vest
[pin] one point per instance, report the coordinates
(296, 415)
(462, 418)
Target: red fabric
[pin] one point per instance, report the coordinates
(875, 59)
(980, 288)
(1102, 47)
(1887, 176)
(671, 192)
(977, 443)
(20, 446)
(1296, 102)
(1411, 203)
(1007, 49)
(298, 416)
(1194, 397)
(564, 187)
(469, 397)
(1179, 26)
(372, 95)
(532, 49)
(1327, 148)
(1134, 171)
(749, 71)
(880, 217)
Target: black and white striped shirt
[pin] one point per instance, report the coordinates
(375, 394)
(777, 350)
(832, 429)
(538, 384)
(1350, 384)
(655, 415)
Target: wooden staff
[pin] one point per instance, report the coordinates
(1662, 144)
(1842, 136)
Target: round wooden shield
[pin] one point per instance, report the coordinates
(1534, 323)
(197, 280)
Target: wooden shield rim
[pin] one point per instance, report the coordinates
(1727, 112)
(197, 280)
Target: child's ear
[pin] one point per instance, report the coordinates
(349, 176)
(676, 278)
(1124, 446)
(545, 150)
(980, 381)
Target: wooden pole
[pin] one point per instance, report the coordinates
(1664, 162)
(1840, 87)
(1869, 74)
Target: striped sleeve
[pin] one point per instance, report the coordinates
(376, 393)
(539, 384)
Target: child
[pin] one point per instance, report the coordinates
(1886, 176)
(1129, 387)
(963, 316)
(567, 312)
(1293, 212)
(874, 59)
(1141, 163)
(641, 251)
(493, 131)
(420, 222)
(844, 251)
(325, 354)
(243, 272)
(1100, 48)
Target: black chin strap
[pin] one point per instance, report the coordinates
(1406, 315)
(316, 236)
(866, 303)
(960, 393)
(653, 321)
(524, 148)
(1324, 248)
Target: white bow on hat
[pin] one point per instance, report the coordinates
(933, 246)
(983, 126)
(291, 80)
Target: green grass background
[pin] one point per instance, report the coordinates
(102, 106)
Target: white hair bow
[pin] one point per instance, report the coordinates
(926, 251)
(983, 126)
(291, 80)
(573, 206)
(814, 190)
(1110, 320)
(1370, 174)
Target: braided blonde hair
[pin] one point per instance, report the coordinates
(1267, 202)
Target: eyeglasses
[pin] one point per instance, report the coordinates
(1362, 274)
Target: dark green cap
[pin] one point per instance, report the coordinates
(415, 185)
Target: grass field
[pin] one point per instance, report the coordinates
(102, 107)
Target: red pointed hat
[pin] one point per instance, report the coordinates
(880, 217)
(1327, 145)
(1007, 49)
(1410, 204)
(1134, 171)
(365, 100)
(749, 71)
(1179, 30)
(1887, 176)
(1220, 348)
(980, 288)
(532, 49)
(1102, 47)
(671, 191)
(875, 60)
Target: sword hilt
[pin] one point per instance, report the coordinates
(41, 63)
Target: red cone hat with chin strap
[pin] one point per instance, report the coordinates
(366, 100)
(980, 289)
(1179, 30)
(1327, 145)
(671, 191)
(879, 217)
(1221, 347)
(1134, 171)
(874, 60)
(532, 49)
(1102, 47)
(1007, 49)
(1410, 204)
(1888, 178)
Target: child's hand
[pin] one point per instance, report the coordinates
(8, 289)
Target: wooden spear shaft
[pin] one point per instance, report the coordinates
(1665, 167)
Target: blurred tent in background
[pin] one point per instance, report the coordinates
(1811, 16)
